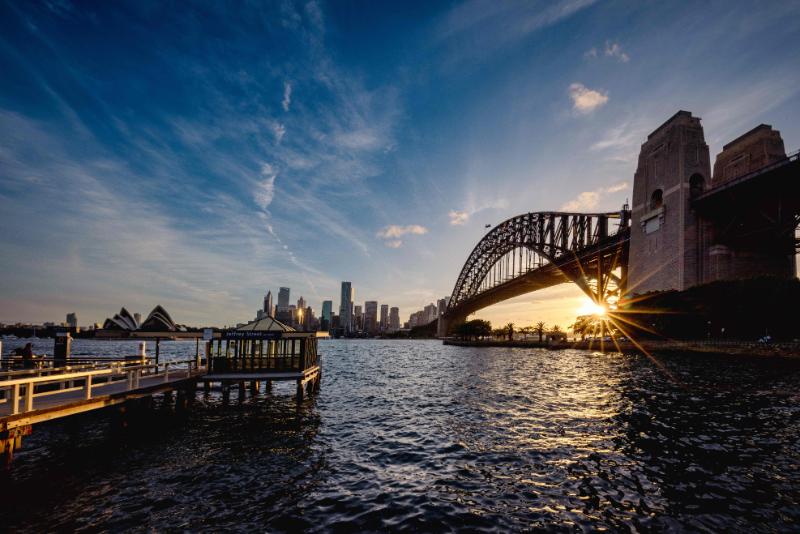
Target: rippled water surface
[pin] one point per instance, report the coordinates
(413, 435)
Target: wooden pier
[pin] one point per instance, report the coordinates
(263, 351)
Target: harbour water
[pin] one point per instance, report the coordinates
(413, 435)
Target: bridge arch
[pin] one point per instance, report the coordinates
(540, 249)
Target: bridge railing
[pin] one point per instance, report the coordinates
(28, 388)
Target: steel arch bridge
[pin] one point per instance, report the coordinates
(538, 250)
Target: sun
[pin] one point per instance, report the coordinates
(589, 307)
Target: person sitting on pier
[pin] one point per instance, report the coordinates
(27, 356)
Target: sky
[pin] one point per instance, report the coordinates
(196, 154)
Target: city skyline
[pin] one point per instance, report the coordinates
(314, 142)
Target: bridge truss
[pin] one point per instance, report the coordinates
(536, 250)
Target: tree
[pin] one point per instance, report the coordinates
(525, 331)
(510, 329)
(476, 328)
(539, 329)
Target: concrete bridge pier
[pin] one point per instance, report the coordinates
(446, 323)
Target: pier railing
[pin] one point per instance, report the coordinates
(295, 361)
(86, 381)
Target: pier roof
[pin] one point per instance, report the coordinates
(267, 324)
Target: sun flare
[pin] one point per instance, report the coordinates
(589, 307)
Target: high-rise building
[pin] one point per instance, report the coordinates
(283, 299)
(301, 303)
(358, 318)
(371, 316)
(394, 319)
(268, 304)
(327, 315)
(384, 317)
(431, 311)
(346, 308)
(72, 320)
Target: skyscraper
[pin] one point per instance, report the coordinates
(72, 320)
(301, 303)
(327, 315)
(358, 318)
(371, 316)
(268, 304)
(283, 299)
(346, 307)
(394, 319)
(384, 317)
(284, 312)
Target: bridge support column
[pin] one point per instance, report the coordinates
(442, 327)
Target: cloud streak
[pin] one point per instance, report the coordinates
(287, 96)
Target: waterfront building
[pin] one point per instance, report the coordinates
(394, 319)
(346, 307)
(157, 321)
(137, 318)
(371, 316)
(268, 311)
(384, 317)
(72, 320)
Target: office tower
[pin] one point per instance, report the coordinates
(394, 319)
(384, 317)
(268, 304)
(283, 299)
(327, 315)
(284, 312)
(301, 303)
(346, 308)
(371, 316)
(430, 313)
(358, 318)
(72, 320)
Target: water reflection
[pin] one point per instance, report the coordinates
(417, 436)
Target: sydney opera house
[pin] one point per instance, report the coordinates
(158, 321)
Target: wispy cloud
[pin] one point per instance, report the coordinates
(474, 206)
(392, 233)
(590, 200)
(585, 100)
(612, 50)
(458, 218)
(480, 27)
(287, 96)
(265, 190)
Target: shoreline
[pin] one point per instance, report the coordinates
(719, 348)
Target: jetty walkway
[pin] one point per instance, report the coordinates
(264, 350)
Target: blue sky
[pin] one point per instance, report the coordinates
(197, 154)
